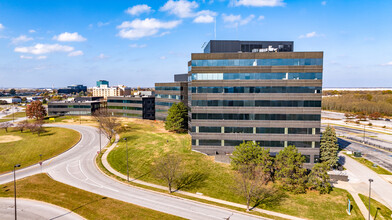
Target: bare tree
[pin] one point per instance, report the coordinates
(107, 123)
(5, 125)
(251, 184)
(22, 126)
(168, 168)
(36, 127)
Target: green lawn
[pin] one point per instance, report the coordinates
(26, 151)
(16, 115)
(376, 208)
(89, 205)
(147, 141)
(369, 164)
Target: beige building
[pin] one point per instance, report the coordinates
(106, 91)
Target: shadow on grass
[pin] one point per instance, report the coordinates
(269, 198)
(191, 180)
(79, 207)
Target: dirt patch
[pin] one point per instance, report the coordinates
(9, 138)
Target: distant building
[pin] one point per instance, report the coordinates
(72, 89)
(166, 94)
(74, 107)
(106, 91)
(132, 106)
(11, 100)
(102, 82)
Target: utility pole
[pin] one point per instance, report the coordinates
(370, 190)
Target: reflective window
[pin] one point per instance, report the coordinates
(166, 96)
(171, 88)
(307, 158)
(289, 117)
(259, 62)
(164, 103)
(238, 130)
(125, 101)
(264, 89)
(210, 142)
(270, 130)
(258, 103)
(210, 129)
(255, 76)
(125, 108)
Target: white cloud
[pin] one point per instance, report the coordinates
(68, 37)
(261, 17)
(102, 56)
(138, 45)
(26, 57)
(387, 64)
(310, 35)
(21, 39)
(101, 24)
(44, 48)
(1, 26)
(76, 53)
(236, 20)
(259, 3)
(162, 58)
(41, 57)
(205, 16)
(324, 3)
(32, 31)
(181, 8)
(138, 9)
(143, 28)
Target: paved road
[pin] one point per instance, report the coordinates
(360, 175)
(34, 210)
(76, 167)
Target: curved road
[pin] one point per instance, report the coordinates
(31, 209)
(77, 168)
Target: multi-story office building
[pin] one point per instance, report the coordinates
(132, 106)
(255, 91)
(72, 89)
(166, 94)
(102, 82)
(75, 107)
(105, 91)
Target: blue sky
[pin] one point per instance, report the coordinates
(138, 43)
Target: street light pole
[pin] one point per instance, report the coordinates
(99, 136)
(370, 190)
(40, 163)
(126, 146)
(17, 165)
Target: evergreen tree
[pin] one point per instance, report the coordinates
(319, 178)
(289, 170)
(329, 147)
(177, 118)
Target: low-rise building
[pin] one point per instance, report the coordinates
(166, 94)
(72, 89)
(75, 107)
(132, 106)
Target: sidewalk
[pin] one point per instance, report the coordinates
(113, 171)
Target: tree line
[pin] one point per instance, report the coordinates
(368, 102)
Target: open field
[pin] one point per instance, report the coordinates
(147, 140)
(376, 208)
(369, 164)
(71, 119)
(89, 205)
(25, 148)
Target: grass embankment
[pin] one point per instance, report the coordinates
(377, 210)
(89, 205)
(148, 140)
(15, 115)
(369, 165)
(25, 148)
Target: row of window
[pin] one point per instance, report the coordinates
(289, 117)
(169, 104)
(69, 106)
(259, 89)
(128, 115)
(255, 76)
(125, 108)
(125, 101)
(258, 130)
(230, 143)
(257, 103)
(169, 88)
(165, 96)
(259, 62)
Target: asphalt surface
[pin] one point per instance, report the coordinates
(77, 168)
(360, 175)
(33, 210)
